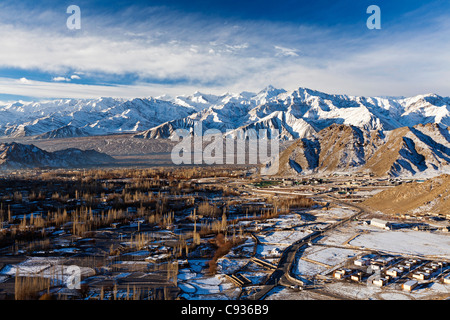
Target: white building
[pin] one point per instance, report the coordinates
(421, 275)
(361, 262)
(380, 223)
(409, 285)
(394, 272)
(403, 267)
(341, 273)
(379, 282)
(447, 279)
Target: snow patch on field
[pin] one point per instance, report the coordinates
(406, 242)
(332, 256)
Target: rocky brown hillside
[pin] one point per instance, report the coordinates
(407, 151)
(431, 196)
(21, 156)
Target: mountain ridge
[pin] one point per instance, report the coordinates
(330, 132)
(422, 150)
(27, 156)
(228, 111)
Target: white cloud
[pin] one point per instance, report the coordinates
(23, 80)
(286, 52)
(184, 53)
(42, 89)
(98, 54)
(59, 79)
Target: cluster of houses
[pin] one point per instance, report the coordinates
(391, 269)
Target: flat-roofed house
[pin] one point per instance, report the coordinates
(380, 223)
(409, 285)
(421, 275)
(394, 272)
(379, 282)
(361, 262)
(446, 279)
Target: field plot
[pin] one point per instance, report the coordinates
(334, 212)
(331, 256)
(282, 293)
(43, 267)
(308, 268)
(196, 284)
(282, 237)
(317, 260)
(405, 241)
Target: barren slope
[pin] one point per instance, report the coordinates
(423, 150)
(433, 195)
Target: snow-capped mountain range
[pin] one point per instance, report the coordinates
(295, 114)
(302, 112)
(73, 117)
(381, 135)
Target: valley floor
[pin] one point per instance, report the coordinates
(194, 234)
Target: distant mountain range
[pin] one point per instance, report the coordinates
(75, 117)
(21, 156)
(303, 112)
(384, 135)
(295, 114)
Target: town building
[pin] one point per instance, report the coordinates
(361, 262)
(379, 282)
(446, 279)
(409, 285)
(421, 275)
(380, 223)
(394, 272)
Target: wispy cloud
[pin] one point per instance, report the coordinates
(47, 90)
(179, 50)
(286, 52)
(58, 79)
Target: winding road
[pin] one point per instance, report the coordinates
(282, 275)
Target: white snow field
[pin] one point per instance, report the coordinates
(420, 243)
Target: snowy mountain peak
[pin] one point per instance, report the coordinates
(228, 111)
(270, 92)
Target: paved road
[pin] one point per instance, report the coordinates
(281, 276)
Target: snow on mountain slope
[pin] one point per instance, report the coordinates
(95, 116)
(288, 127)
(295, 113)
(384, 135)
(422, 150)
(68, 131)
(21, 156)
(229, 112)
(317, 109)
(429, 108)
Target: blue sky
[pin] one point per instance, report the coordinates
(151, 48)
